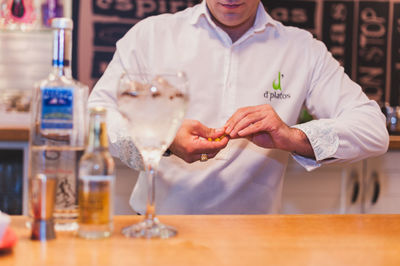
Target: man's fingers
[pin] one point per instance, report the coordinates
(236, 117)
(193, 139)
(248, 124)
(211, 146)
(205, 132)
(249, 130)
(211, 133)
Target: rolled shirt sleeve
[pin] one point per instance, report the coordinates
(348, 126)
(105, 94)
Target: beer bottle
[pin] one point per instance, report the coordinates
(96, 181)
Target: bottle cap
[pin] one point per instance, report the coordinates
(62, 23)
(98, 110)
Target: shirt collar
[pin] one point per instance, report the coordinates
(262, 18)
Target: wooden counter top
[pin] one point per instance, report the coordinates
(394, 143)
(22, 134)
(226, 240)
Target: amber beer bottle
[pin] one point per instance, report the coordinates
(96, 181)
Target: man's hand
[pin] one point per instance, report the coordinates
(262, 125)
(194, 139)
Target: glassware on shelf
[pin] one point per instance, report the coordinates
(392, 114)
(51, 9)
(15, 101)
(3, 11)
(153, 107)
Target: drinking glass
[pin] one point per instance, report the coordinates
(153, 106)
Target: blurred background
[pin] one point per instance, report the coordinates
(364, 36)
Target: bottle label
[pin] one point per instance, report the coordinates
(95, 199)
(57, 108)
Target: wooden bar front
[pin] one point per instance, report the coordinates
(226, 240)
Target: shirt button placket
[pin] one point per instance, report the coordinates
(232, 76)
(227, 104)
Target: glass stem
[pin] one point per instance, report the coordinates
(150, 208)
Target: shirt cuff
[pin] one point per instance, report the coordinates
(122, 146)
(323, 139)
(129, 154)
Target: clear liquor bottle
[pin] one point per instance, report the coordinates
(58, 128)
(96, 181)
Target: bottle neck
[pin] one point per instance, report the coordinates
(52, 4)
(62, 52)
(97, 133)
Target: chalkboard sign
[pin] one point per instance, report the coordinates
(395, 57)
(337, 31)
(372, 46)
(100, 23)
(301, 14)
(364, 36)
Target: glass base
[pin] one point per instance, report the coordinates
(149, 228)
(94, 234)
(66, 220)
(66, 226)
(92, 231)
(60, 227)
(43, 230)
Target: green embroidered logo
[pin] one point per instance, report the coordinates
(277, 93)
(277, 87)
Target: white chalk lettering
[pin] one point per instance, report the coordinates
(373, 25)
(176, 6)
(281, 14)
(299, 15)
(338, 33)
(104, 4)
(370, 76)
(123, 5)
(145, 7)
(339, 12)
(374, 53)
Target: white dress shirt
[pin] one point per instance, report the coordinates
(270, 64)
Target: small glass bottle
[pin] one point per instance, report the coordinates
(58, 128)
(96, 181)
(51, 9)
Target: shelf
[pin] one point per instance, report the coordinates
(19, 133)
(38, 30)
